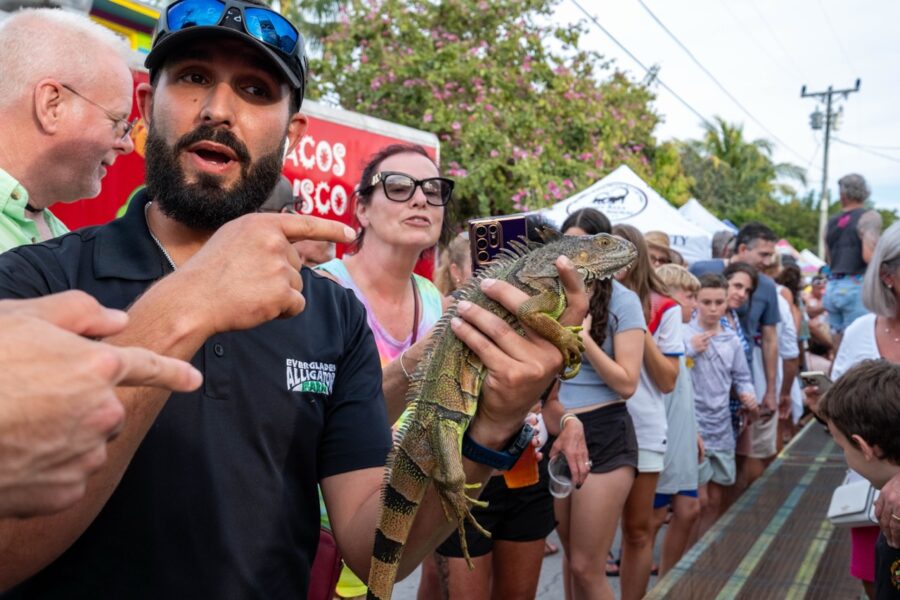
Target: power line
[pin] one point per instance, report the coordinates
(836, 38)
(814, 155)
(775, 37)
(716, 81)
(867, 151)
(749, 32)
(871, 146)
(644, 67)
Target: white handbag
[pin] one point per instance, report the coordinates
(853, 503)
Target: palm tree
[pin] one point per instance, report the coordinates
(314, 18)
(732, 173)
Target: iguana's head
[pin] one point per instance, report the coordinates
(595, 256)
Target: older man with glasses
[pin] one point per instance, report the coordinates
(64, 106)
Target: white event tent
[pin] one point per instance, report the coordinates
(697, 214)
(625, 198)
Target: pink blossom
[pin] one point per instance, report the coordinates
(456, 126)
(376, 84)
(494, 154)
(427, 117)
(489, 107)
(363, 58)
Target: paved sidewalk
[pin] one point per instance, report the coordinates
(550, 584)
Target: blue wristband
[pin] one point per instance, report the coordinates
(500, 460)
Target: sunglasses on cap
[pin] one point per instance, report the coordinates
(270, 31)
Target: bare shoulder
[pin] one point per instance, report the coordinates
(869, 221)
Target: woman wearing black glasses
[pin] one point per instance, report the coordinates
(401, 205)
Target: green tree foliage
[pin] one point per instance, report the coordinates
(316, 19)
(522, 116)
(732, 174)
(737, 179)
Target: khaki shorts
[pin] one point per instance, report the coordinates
(758, 440)
(719, 467)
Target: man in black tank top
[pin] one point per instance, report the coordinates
(850, 239)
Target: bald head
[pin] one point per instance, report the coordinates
(50, 43)
(65, 98)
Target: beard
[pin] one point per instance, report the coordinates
(206, 204)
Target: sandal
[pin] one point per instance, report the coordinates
(550, 548)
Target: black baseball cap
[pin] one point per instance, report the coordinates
(272, 34)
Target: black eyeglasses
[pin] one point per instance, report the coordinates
(400, 187)
(122, 126)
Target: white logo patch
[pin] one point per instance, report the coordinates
(314, 377)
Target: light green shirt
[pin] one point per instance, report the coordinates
(16, 228)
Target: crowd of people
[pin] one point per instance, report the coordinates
(184, 402)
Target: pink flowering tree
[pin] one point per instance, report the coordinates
(524, 116)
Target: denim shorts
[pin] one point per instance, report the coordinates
(843, 301)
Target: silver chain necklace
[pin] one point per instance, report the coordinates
(155, 239)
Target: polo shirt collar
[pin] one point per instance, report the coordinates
(125, 249)
(13, 197)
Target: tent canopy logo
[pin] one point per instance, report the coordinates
(618, 201)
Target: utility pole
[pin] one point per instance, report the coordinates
(815, 121)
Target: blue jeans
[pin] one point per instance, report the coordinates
(843, 301)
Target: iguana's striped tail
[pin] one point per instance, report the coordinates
(400, 501)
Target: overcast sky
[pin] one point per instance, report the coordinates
(762, 52)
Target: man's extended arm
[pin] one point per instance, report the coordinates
(58, 407)
(224, 287)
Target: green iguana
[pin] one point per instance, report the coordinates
(444, 390)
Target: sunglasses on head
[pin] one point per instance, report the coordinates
(259, 22)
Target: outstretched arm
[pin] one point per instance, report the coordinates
(223, 287)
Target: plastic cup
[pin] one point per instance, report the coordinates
(524, 472)
(560, 476)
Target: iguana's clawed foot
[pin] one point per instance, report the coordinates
(456, 509)
(571, 346)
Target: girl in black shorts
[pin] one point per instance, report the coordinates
(614, 342)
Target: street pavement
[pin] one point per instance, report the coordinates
(550, 585)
